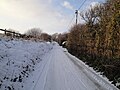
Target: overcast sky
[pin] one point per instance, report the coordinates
(50, 15)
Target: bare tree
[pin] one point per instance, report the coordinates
(34, 32)
(91, 16)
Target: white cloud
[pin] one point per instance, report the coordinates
(67, 5)
(24, 14)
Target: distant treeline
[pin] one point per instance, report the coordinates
(35, 34)
(97, 41)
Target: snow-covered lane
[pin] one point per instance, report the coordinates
(29, 65)
(60, 73)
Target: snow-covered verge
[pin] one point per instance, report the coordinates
(18, 59)
(102, 82)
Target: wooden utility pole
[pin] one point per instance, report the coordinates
(76, 13)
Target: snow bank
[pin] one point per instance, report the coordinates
(18, 59)
(103, 83)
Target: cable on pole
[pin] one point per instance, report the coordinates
(76, 12)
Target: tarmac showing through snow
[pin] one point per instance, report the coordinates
(58, 72)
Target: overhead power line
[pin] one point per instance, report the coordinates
(71, 21)
(76, 12)
(82, 4)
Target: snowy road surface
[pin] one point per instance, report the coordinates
(58, 72)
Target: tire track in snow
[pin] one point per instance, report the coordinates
(51, 59)
(61, 73)
(97, 80)
(74, 73)
(62, 69)
(71, 78)
(46, 64)
(83, 70)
